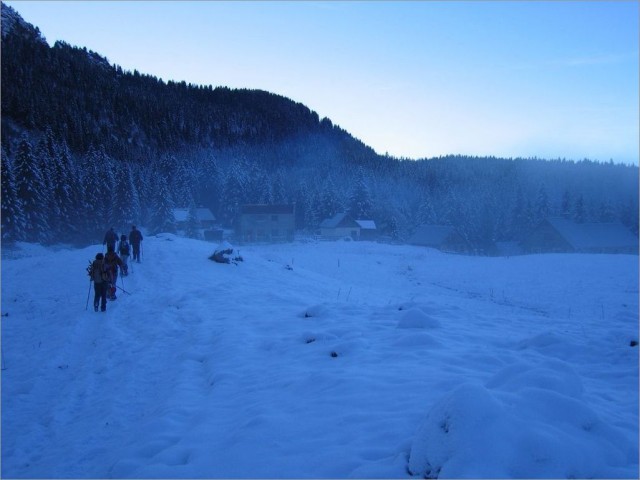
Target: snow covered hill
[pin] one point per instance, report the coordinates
(320, 360)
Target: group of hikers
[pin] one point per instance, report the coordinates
(103, 271)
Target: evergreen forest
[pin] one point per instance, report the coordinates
(87, 145)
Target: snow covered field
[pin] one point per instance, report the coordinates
(320, 360)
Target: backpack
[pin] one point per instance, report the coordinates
(98, 272)
(124, 248)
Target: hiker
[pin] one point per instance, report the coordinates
(123, 250)
(112, 262)
(110, 239)
(101, 278)
(135, 237)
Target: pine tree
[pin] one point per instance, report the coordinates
(328, 205)
(606, 212)
(75, 221)
(93, 192)
(46, 157)
(542, 204)
(193, 226)
(126, 202)
(278, 190)
(31, 193)
(65, 192)
(565, 207)
(518, 224)
(232, 196)
(427, 213)
(162, 218)
(579, 213)
(13, 219)
(145, 184)
(628, 213)
(392, 228)
(184, 184)
(360, 199)
(105, 183)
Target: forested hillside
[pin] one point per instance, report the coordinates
(86, 145)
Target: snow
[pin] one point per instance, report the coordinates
(320, 360)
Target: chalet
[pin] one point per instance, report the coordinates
(205, 217)
(562, 235)
(339, 226)
(266, 223)
(442, 237)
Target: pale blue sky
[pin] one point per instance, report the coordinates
(414, 79)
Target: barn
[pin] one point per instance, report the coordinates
(559, 234)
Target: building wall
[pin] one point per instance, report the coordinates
(340, 232)
(368, 234)
(266, 227)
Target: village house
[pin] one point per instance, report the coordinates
(442, 237)
(266, 223)
(341, 225)
(558, 234)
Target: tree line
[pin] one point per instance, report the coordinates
(86, 145)
(51, 195)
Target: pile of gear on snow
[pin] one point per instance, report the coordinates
(224, 254)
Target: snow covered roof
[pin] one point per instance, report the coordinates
(341, 219)
(366, 224)
(583, 236)
(181, 214)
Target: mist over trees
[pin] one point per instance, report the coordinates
(86, 145)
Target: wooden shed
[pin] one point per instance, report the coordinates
(368, 229)
(341, 225)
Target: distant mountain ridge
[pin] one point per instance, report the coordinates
(86, 101)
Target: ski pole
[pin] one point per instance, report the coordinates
(88, 294)
(123, 290)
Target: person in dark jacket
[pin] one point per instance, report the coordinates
(135, 237)
(124, 251)
(100, 278)
(112, 262)
(110, 239)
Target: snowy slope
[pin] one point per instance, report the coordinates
(320, 360)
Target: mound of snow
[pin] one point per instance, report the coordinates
(527, 422)
(416, 318)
